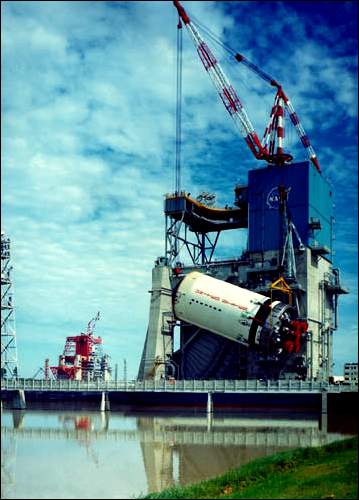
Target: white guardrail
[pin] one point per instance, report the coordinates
(173, 386)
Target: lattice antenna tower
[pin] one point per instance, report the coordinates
(9, 365)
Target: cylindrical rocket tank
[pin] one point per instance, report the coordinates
(230, 311)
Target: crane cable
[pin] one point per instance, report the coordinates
(228, 54)
(178, 107)
(212, 36)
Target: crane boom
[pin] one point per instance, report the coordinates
(274, 133)
(223, 87)
(91, 323)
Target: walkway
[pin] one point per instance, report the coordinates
(179, 386)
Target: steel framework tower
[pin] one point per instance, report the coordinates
(9, 365)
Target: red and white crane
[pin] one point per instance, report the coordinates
(91, 324)
(271, 148)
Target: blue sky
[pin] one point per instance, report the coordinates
(88, 108)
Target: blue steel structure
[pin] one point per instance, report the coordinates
(310, 202)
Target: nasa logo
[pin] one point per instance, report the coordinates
(273, 197)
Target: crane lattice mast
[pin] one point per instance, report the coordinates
(223, 87)
(9, 363)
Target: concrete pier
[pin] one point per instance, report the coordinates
(209, 403)
(159, 337)
(18, 402)
(324, 402)
(105, 402)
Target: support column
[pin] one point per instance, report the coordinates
(159, 341)
(18, 402)
(105, 402)
(324, 402)
(209, 421)
(324, 423)
(209, 403)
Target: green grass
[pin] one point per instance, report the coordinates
(329, 471)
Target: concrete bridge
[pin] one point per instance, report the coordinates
(177, 392)
(183, 386)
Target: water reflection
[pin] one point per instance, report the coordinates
(109, 449)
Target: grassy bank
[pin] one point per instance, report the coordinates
(329, 471)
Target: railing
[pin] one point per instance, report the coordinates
(200, 386)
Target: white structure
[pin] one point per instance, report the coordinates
(351, 373)
(159, 337)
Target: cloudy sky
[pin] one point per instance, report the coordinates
(88, 149)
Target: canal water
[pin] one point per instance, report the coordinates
(122, 454)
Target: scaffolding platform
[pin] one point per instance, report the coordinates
(203, 218)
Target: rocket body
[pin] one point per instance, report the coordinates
(231, 311)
